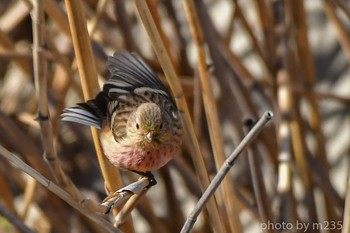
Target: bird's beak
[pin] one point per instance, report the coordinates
(150, 136)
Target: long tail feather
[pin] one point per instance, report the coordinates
(91, 113)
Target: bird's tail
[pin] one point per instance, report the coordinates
(91, 113)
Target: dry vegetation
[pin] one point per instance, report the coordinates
(226, 62)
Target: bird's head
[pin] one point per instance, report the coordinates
(149, 125)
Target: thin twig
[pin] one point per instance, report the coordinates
(191, 219)
(59, 191)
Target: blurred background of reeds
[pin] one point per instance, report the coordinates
(235, 59)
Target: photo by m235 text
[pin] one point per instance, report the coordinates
(302, 226)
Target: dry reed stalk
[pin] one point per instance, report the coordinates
(176, 89)
(83, 50)
(212, 116)
(88, 77)
(40, 77)
(58, 191)
(40, 71)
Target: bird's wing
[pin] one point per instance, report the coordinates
(132, 82)
(91, 113)
(129, 72)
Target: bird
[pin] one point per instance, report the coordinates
(140, 125)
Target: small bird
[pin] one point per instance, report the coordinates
(141, 129)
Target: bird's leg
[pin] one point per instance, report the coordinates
(149, 175)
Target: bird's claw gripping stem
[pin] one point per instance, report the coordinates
(150, 176)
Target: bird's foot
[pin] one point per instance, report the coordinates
(151, 179)
(150, 176)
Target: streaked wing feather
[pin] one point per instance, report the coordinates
(80, 120)
(128, 71)
(81, 116)
(91, 113)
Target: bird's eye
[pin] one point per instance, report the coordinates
(161, 126)
(137, 126)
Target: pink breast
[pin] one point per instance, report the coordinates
(140, 159)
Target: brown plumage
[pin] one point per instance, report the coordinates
(140, 125)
